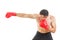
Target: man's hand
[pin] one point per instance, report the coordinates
(44, 24)
(9, 14)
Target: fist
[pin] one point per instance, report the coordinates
(9, 14)
(44, 24)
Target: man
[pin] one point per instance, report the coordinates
(46, 23)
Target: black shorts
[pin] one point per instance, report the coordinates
(42, 36)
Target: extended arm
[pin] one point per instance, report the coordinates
(24, 15)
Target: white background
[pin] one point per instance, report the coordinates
(17, 28)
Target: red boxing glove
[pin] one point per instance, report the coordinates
(44, 24)
(9, 14)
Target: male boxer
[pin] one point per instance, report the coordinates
(46, 23)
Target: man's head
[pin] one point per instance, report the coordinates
(44, 13)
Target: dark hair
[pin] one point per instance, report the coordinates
(44, 12)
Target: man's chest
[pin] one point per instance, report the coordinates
(47, 19)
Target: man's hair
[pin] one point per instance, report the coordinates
(44, 12)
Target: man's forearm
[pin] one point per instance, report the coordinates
(20, 14)
(9, 14)
(52, 30)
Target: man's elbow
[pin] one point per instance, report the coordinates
(53, 31)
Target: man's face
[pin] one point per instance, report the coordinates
(43, 17)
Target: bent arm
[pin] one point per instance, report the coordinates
(33, 16)
(53, 25)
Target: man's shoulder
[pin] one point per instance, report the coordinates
(52, 17)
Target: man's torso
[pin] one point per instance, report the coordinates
(40, 29)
